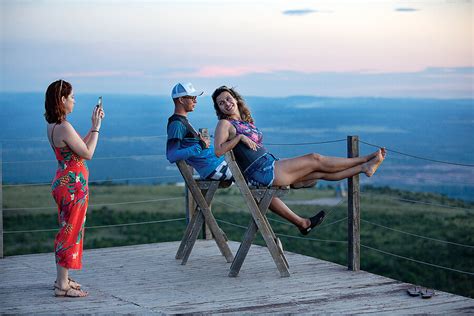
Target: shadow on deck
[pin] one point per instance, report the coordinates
(147, 279)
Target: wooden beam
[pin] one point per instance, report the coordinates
(353, 210)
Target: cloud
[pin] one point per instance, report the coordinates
(220, 71)
(406, 9)
(298, 12)
(432, 82)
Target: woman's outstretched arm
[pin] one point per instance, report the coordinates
(84, 149)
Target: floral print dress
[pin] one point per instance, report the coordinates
(71, 193)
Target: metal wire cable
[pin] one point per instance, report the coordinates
(418, 236)
(418, 157)
(98, 158)
(239, 208)
(44, 139)
(320, 226)
(362, 245)
(335, 222)
(283, 235)
(424, 203)
(417, 261)
(94, 227)
(231, 224)
(389, 176)
(90, 182)
(92, 205)
(312, 239)
(309, 143)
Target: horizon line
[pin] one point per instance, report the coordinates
(263, 96)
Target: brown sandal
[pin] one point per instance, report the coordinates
(70, 292)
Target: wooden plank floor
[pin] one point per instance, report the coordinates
(147, 279)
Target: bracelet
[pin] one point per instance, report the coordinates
(94, 130)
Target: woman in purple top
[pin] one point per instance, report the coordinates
(236, 131)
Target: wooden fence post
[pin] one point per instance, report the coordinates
(1, 202)
(353, 210)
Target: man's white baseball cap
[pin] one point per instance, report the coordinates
(184, 89)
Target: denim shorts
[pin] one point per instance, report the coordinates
(261, 172)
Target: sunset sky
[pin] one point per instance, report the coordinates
(269, 48)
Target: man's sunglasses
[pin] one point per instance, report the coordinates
(190, 97)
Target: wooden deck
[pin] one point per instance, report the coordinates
(147, 279)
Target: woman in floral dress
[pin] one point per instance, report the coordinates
(70, 185)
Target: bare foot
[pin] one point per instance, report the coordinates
(370, 167)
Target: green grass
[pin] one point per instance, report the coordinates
(378, 205)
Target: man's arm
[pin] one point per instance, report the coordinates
(174, 149)
(174, 152)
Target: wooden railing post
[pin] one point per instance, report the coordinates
(353, 210)
(1, 202)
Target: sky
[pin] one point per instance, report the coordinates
(342, 48)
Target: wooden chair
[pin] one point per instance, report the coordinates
(202, 191)
(257, 200)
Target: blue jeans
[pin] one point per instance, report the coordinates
(261, 172)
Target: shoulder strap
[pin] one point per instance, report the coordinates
(52, 136)
(185, 122)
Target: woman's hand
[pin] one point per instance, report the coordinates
(248, 142)
(97, 116)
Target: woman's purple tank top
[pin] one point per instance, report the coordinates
(244, 155)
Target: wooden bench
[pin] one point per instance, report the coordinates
(202, 191)
(258, 200)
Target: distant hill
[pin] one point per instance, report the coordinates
(133, 137)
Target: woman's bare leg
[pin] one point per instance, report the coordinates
(289, 171)
(336, 164)
(279, 207)
(368, 168)
(62, 285)
(62, 277)
(305, 168)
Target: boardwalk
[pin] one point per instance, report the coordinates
(146, 279)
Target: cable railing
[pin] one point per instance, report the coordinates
(97, 181)
(418, 236)
(93, 205)
(365, 246)
(419, 157)
(98, 226)
(366, 221)
(437, 240)
(95, 158)
(112, 139)
(421, 202)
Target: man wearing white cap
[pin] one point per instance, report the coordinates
(185, 143)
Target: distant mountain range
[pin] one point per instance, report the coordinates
(133, 136)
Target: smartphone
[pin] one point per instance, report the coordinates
(99, 102)
(204, 133)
